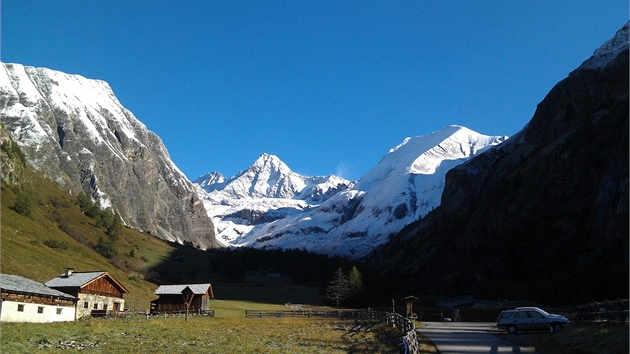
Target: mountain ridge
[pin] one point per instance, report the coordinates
(543, 216)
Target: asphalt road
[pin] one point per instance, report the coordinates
(469, 337)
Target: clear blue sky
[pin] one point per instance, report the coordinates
(328, 86)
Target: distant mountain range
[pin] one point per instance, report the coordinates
(268, 205)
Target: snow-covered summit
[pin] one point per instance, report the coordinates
(211, 181)
(608, 51)
(266, 191)
(270, 177)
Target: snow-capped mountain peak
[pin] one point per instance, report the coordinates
(266, 191)
(405, 185)
(211, 181)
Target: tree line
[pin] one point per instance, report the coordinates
(342, 281)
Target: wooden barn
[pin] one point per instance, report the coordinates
(173, 298)
(25, 300)
(98, 292)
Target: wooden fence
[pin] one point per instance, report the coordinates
(302, 313)
(410, 339)
(197, 311)
(605, 311)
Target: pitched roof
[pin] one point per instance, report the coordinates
(177, 289)
(79, 279)
(17, 284)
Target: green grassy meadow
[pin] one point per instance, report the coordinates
(228, 332)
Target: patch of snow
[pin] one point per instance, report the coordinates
(608, 51)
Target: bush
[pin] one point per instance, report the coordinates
(54, 244)
(25, 203)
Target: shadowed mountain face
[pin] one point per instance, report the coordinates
(74, 132)
(542, 216)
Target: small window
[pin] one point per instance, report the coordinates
(20, 308)
(59, 311)
(40, 309)
(105, 307)
(96, 306)
(86, 305)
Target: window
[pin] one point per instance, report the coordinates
(96, 306)
(521, 315)
(20, 308)
(105, 307)
(86, 305)
(59, 311)
(40, 309)
(534, 314)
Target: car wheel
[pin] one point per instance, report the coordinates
(556, 326)
(512, 329)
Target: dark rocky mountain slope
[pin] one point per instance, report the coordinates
(543, 216)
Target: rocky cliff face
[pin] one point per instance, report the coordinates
(544, 215)
(74, 132)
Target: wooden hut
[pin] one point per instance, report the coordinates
(174, 298)
(98, 292)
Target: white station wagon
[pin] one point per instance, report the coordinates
(530, 318)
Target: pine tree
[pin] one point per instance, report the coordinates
(338, 288)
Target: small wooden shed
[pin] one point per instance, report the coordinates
(173, 298)
(98, 292)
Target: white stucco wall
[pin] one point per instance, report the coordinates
(10, 313)
(100, 302)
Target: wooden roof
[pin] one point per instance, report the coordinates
(81, 279)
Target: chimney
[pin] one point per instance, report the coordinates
(68, 272)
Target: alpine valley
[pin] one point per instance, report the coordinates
(542, 215)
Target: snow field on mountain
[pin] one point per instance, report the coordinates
(269, 206)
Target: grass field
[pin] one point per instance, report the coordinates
(228, 332)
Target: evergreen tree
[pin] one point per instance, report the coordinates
(338, 288)
(105, 248)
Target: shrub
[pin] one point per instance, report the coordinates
(25, 203)
(55, 244)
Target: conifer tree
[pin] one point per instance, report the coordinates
(338, 288)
